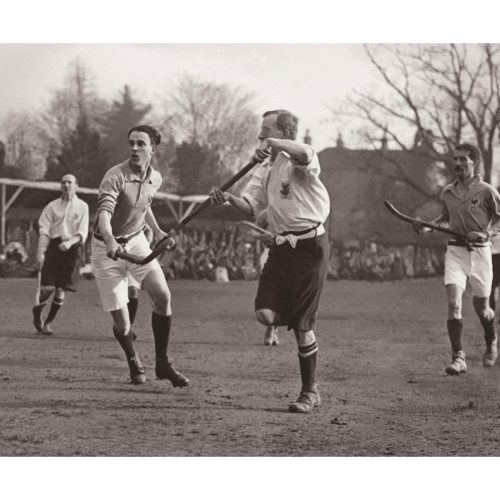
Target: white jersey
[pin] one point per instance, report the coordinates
(295, 196)
(60, 219)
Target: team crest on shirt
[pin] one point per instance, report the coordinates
(285, 190)
(474, 204)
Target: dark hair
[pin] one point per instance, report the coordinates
(286, 122)
(472, 152)
(154, 135)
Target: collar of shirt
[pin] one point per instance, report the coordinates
(131, 176)
(68, 202)
(453, 187)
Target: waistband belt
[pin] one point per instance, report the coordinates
(454, 243)
(122, 240)
(293, 236)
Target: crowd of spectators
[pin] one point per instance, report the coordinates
(234, 254)
(374, 262)
(223, 255)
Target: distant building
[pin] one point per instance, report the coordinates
(359, 180)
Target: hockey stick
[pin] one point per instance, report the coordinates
(253, 226)
(165, 243)
(430, 225)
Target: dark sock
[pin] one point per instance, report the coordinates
(307, 362)
(455, 327)
(161, 331)
(37, 312)
(132, 306)
(126, 343)
(489, 330)
(54, 308)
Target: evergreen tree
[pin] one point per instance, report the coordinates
(81, 155)
(197, 168)
(124, 114)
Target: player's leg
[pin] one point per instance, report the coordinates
(155, 285)
(269, 318)
(308, 353)
(46, 286)
(42, 299)
(495, 282)
(309, 270)
(271, 297)
(133, 301)
(481, 286)
(455, 330)
(486, 316)
(456, 270)
(122, 333)
(57, 303)
(112, 284)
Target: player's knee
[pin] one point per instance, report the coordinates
(483, 309)
(267, 317)
(60, 293)
(133, 292)
(121, 328)
(454, 309)
(305, 337)
(161, 302)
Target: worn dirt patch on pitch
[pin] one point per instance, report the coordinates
(383, 347)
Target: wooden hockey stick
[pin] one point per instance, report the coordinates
(430, 225)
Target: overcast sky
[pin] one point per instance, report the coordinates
(305, 78)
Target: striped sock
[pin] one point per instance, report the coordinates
(308, 355)
(308, 350)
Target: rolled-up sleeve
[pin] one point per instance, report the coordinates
(45, 221)
(313, 167)
(109, 190)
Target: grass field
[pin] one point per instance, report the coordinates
(383, 347)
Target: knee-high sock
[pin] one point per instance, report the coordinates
(161, 331)
(126, 342)
(307, 360)
(132, 305)
(54, 308)
(455, 327)
(490, 333)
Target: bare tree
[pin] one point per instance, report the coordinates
(213, 115)
(77, 97)
(432, 97)
(26, 145)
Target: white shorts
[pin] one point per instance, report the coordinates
(132, 281)
(112, 275)
(461, 265)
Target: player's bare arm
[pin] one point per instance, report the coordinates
(300, 153)
(106, 231)
(43, 243)
(220, 197)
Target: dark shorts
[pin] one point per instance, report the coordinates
(61, 269)
(292, 281)
(495, 258)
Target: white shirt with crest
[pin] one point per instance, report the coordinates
(293, 193)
